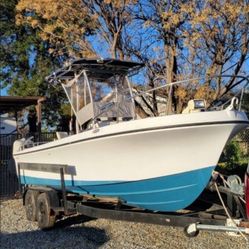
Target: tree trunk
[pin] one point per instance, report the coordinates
(154, 100)
(171, 72)
(114, 46)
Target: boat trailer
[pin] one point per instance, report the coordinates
(45, 205)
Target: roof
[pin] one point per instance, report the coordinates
(96, 68)
(16, 103)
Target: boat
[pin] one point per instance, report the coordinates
(158, 163)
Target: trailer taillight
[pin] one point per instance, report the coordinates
(247, 194)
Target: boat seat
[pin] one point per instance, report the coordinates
(85, 114)
(61, 134)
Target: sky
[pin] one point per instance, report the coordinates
(3, 92)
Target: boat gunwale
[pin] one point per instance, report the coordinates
(36, 149)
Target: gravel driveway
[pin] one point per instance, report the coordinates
(17, 232)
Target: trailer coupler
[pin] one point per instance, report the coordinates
(193, 229)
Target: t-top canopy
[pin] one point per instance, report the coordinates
(100, 69)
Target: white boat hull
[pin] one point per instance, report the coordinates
(153, 163)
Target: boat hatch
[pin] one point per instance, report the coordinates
(98, 90)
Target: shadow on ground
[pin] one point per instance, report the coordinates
(72, 220)
(62, 236)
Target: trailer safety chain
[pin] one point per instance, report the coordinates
(227, 213)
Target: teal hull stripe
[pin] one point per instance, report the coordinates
(166, 193)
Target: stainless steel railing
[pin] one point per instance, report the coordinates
(239, 94)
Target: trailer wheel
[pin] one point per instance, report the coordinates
(45, 216)
(191, 231)
(30, 205)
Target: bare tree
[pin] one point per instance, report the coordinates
(220, 38)
(194, 39)
(111, 18)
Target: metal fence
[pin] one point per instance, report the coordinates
(8, 174)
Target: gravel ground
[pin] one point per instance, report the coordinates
(17, 232)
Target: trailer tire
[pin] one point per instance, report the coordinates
(30, 201)
(45, 216)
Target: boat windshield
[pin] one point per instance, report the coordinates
(112, 98)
